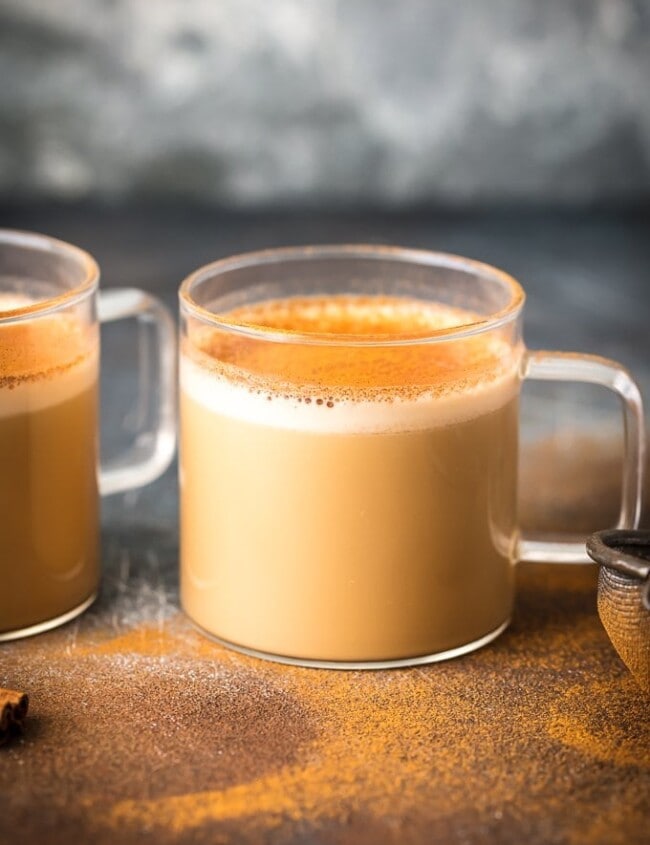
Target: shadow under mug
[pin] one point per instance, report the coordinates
(50, 308)
(348, 462)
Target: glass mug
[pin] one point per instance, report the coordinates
(49, 369)
(348, 463)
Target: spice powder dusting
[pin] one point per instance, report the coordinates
(156, 732)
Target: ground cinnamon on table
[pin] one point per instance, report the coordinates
(216, 747)
(13, 709)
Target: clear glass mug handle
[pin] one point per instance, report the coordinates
(567, 366)
(153, 449)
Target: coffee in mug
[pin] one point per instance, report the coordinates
(349, 440)
(49, 479)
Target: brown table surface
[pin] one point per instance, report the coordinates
(141, 730)
(149, 732)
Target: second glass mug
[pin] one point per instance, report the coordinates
(348, 463)
(50, 307)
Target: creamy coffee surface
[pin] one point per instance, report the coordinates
(43, 360)
(348, 503)
(348, 388)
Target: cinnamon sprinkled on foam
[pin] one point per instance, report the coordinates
(342, 387)
(365, 317)
(44, 360)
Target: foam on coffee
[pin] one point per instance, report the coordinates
(44, 360)
(348, 388)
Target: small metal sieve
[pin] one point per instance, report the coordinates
(624, 595)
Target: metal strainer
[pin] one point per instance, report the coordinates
(624, 595)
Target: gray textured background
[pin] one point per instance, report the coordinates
(326, 101)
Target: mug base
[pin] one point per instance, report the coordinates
(41, 627)
(419, 660)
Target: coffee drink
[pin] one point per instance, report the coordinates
(48, 467)
(349, 502)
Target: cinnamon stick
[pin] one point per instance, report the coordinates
(13, 709)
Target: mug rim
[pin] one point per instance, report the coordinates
(47, 244)
(423, 257)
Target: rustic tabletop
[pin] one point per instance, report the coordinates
(141, 730)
